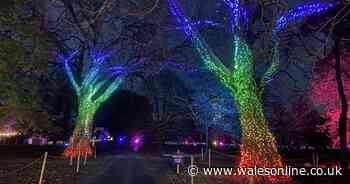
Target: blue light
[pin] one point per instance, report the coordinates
(296, 14)
(121, 139)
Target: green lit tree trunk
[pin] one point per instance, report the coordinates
(93, 90)
(258, 145)
(81, 138)
(83, 127)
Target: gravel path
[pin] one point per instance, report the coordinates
(134, 169)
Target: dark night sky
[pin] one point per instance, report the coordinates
(125, 111)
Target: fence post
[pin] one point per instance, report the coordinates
(202, 153)
(177, 169)
(71, 160)
(192, 179)
(94, 147)
(43, 169)
(95, 155)
(85, 159)
(209, 157)
(78, 161)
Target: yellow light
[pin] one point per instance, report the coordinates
(8, 134)
(215, 143)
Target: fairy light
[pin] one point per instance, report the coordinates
(296, 14)
(205, 23)
(258, 145)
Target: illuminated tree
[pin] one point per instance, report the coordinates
(258, 145)
(325, 83)
(98, 83)
(86, 36)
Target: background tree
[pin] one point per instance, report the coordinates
(24, 53)
(299, 126)
(325, 83)
(208, 105)
(334, 55)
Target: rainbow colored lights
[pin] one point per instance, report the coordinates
(98, 83)
(258, 145)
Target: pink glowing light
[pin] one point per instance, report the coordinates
(136, 140)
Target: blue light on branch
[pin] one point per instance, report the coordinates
(298, 13)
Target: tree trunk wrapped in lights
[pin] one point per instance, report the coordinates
(99, 82)
(258, 145)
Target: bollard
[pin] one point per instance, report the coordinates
(95, 153)
(43, 169)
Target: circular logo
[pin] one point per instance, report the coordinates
(192, 170)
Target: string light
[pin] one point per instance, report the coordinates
(301, 11)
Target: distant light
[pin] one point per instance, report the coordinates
(221, 143)
(215, 143)
(8, 134)
(121, 139)
(136, 140)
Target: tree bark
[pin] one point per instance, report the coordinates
(258, 145)
(342, 122)
(80, 142)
